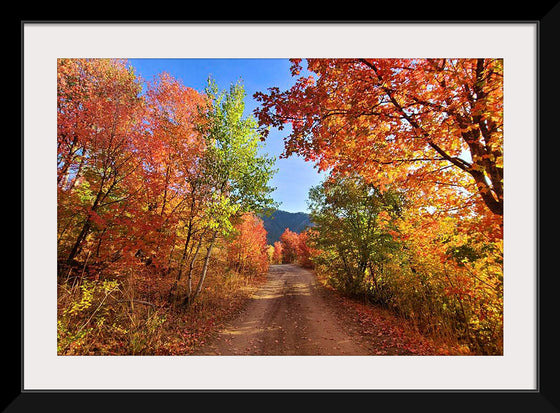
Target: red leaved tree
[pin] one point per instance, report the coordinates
(432, 126)
(278, 253)
(248, 251)
(100, 130)
(290, 242)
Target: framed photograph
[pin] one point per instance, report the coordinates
(76, 346)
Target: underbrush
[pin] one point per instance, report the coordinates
(402, 332)
(129, 313)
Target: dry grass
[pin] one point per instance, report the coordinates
(132, 316)
(382, 331)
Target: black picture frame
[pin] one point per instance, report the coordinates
(544, 399)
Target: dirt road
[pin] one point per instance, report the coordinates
(287, 316)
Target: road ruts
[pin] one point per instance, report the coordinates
(286, 316)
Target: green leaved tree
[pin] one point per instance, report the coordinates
(235, 174)
(353, 230)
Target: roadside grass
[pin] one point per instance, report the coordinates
(383, 331)
(112, 317)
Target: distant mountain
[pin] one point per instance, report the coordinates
(277, 223)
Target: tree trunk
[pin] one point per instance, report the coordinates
(87, 224)
(189, 299)
(181, 262)
(189, 273)
(191, 266)
(78, 244)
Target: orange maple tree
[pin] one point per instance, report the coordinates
(305, 251)
(290, 244)
(433, 126)
(248, 251)
(127, 162)
(278, 253)
(99, 126)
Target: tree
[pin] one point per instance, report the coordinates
(277, 255)
(248, 251)
(305, 252)
(99, 116)
(433, 126)
(174, 157)
(235, 173)
(290, 242)
(353, 228)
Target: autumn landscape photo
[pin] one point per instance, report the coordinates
(280, 207)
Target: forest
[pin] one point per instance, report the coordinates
(161, 190)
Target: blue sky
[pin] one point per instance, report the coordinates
(294, 176)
